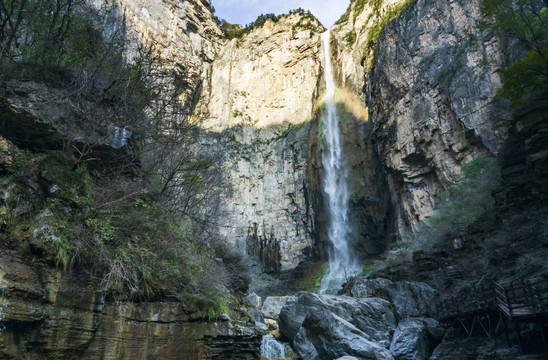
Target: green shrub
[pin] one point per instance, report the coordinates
(350, 38)
(462, 204)
(525, 21)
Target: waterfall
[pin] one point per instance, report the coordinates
(335, 187)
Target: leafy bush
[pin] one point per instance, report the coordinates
(525, 21)
(350, 38)
(137, 244)
(468, 201)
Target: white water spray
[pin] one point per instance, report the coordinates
(335, 187)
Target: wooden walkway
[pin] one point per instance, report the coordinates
(519, 310)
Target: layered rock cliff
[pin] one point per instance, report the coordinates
(430, 91)
(54, 314)
(259, 99)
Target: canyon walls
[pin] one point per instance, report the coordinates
(430, 89)
(257, 107)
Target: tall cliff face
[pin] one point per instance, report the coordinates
(430, 94)
(183, 33)
(259, 100)
(49, 312)
(353, 53)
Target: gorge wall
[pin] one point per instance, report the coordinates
(261, 106)
(430, 89)
(258, 106)
(412, 111)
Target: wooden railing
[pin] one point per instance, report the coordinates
(480, 300)
(518, 299)
(521, 299)
(509, 307)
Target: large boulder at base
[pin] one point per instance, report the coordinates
(410, 299)
(372, 316)
(324, 335)
(416, 339)
(273, 305)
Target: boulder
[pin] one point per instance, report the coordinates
(254, 299)
(324, 335)
(273, 305)
(410, 299)
(365, 288)
(372, 316)
(258, 319)
(416, 339)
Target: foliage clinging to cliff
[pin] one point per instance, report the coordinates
(137, 214)
(469, 200)
(306, 21)
(525, 21)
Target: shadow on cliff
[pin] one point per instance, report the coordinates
(370, 214)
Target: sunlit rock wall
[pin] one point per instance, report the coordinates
(183, 33)
(260, 102)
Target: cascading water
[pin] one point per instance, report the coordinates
(335, 187)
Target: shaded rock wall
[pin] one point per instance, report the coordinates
(430, 93)
(524, 162)
(49, 313)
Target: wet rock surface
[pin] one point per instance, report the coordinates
(328, 326)
(324, 335)
(273, 305)
(410, 299)
(372, 316)
(416, 338)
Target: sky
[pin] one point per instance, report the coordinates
(245, 11)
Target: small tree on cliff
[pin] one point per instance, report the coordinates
(524, 21)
